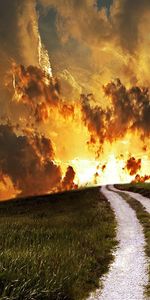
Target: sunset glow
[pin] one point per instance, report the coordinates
(75, 101)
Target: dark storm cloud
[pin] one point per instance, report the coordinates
(131, 107)
(39, 93)
(18, 32)
(129, 110)
(133, 165)
(28, 161)
(9, 27)
(96, 119)
(105, 3)
(68, 180)
(127, 21)
(142, 179)
(80, 20)
(76, 20)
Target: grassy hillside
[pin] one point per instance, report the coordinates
(142, 188)
(55, 247)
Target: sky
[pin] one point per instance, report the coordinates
(99, 47)
(74, 94)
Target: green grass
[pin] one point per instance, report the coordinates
(142, 188)
(145, 185)
(144, 219)
(55, 247)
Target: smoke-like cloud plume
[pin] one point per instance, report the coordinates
(28, 162)
(133, 165)
(128, 110)
(127, 22)
(141, 179)
(34, 88)
(122, 26)
(19, 23)
(68, 181)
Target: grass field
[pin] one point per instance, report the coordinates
(55, 247)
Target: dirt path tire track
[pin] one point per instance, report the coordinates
(128, 273)
(143, 200)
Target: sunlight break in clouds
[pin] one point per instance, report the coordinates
(74, 94)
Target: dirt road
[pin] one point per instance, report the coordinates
(143, 200)
(128, 273)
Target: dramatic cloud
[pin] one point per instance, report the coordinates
(80, 20)
(19, 31)
(95, 118)
(103, 167)
(142, 179)
(127, 22)
(68, 181)
(87, 21)
(103, 45)
(96, 176)
(39, 92)
(84, 118)
(128, 110)
(131, 107)
(28, 161)
(133, 165)
(36, 89)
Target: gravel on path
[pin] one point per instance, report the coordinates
(143, 200)
(128, 274)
